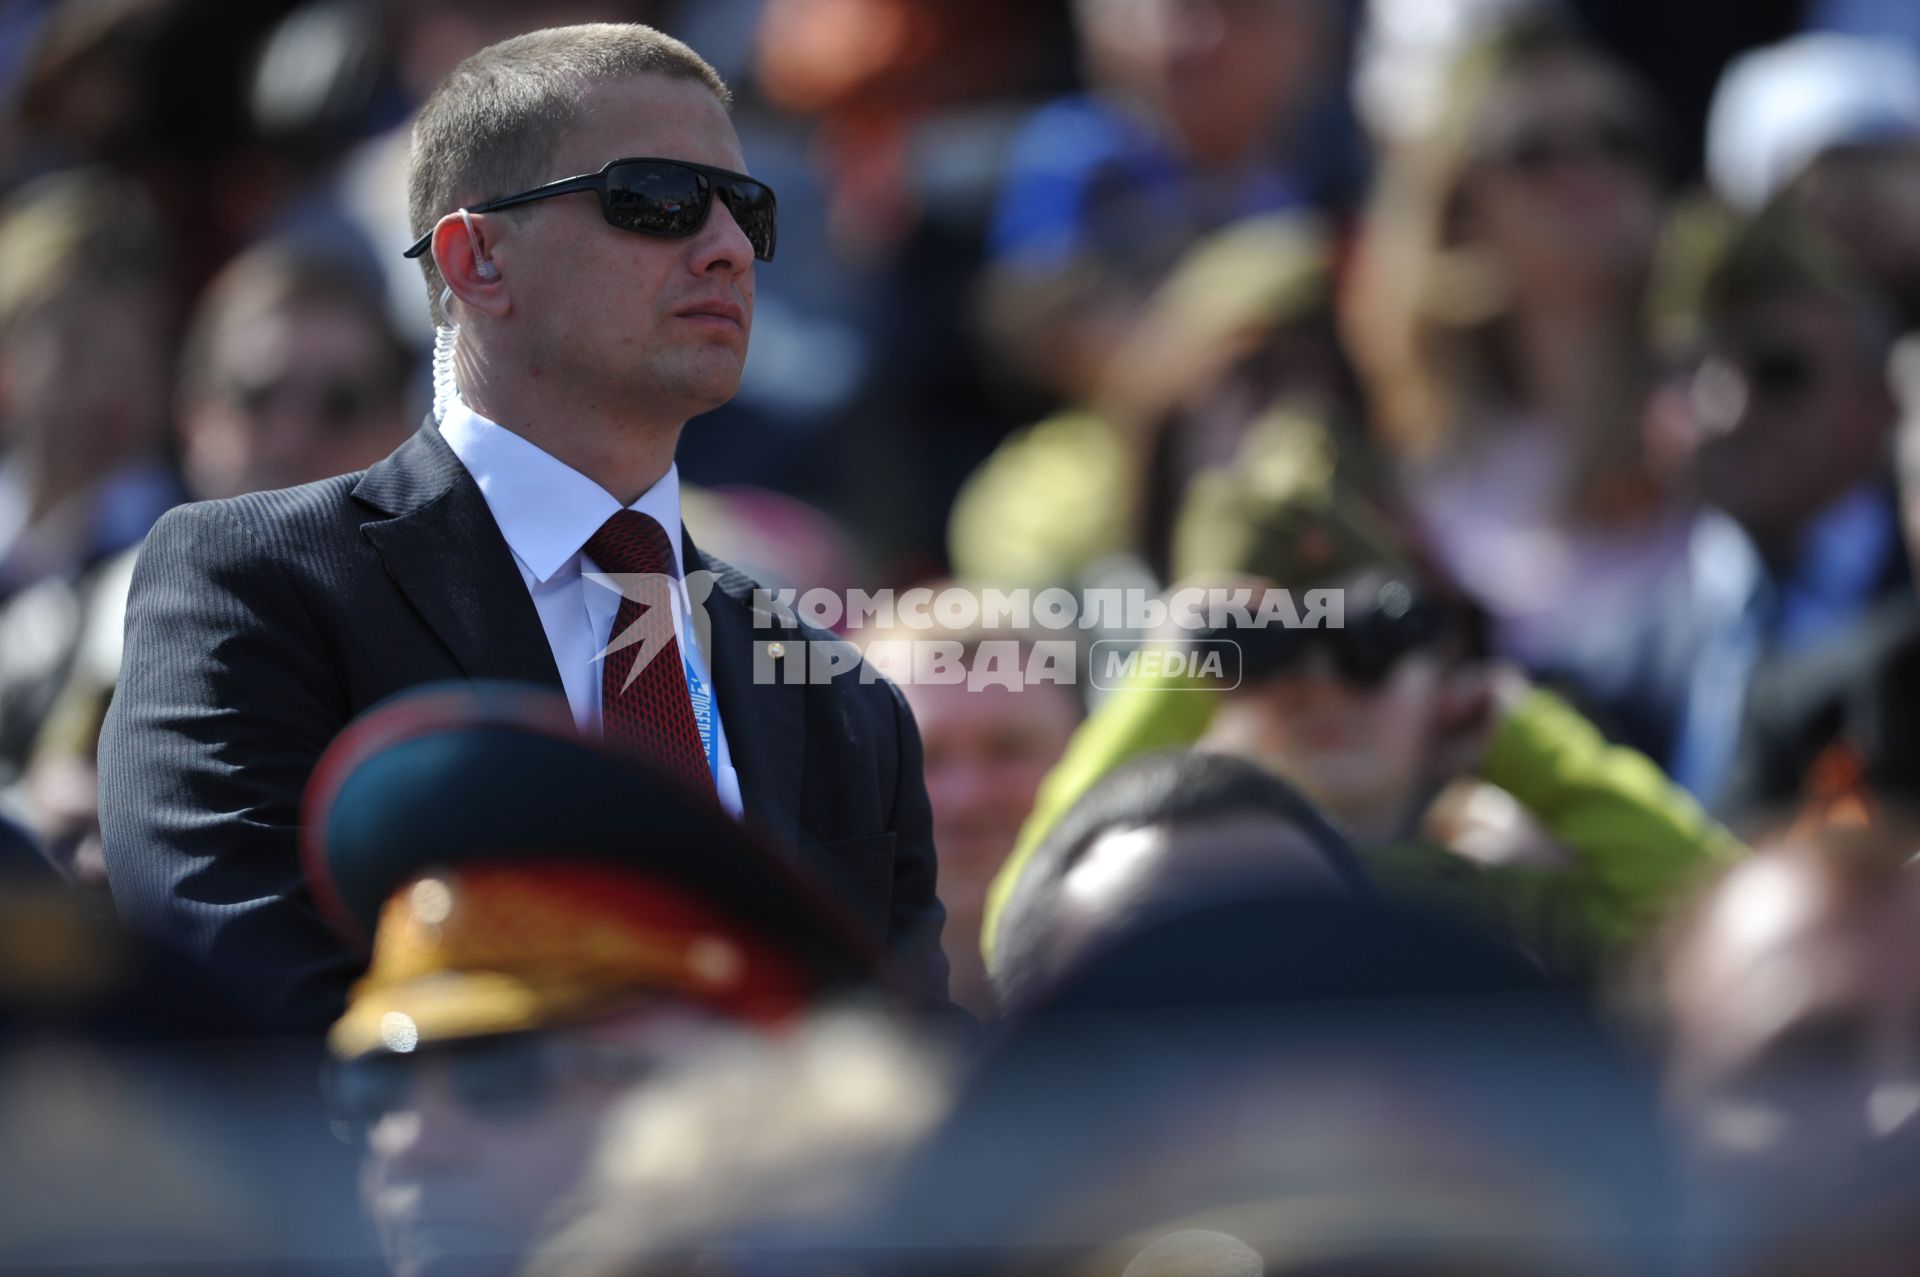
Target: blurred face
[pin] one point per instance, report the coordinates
(300, 393)
(57, 405)
(1562, 188)
(1358, 750)
(1787, 409)
(987, 750)
(1225, 72)
(481, 1141)
(611, 317)
(1796, 1020)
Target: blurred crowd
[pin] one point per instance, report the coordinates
(1556, 914)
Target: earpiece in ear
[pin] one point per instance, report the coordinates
(483, 267)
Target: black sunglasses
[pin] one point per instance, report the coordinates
(1778, 370)
(1541, 150)
(668, 198)
(1374, 639)
(337, 402)
(497, 1078)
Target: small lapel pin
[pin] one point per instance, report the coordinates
(776, 650)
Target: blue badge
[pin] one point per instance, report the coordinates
(702, 697)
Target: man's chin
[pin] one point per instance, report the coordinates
(443, 1251)
(703, 395)
(1341, 790)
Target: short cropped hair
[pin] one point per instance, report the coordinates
(1160, 789)
(491, 125)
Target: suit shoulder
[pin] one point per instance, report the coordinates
(258, 523)
(247, 543)
(324, 500)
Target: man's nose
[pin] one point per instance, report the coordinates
(958, 786)
(721, 246)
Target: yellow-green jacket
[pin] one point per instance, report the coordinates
(1638, 840)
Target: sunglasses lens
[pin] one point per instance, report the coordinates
(502, 1080)
(1532, 155)
(497, 1081)
(364, 1090)
(1623, 143)
(1373, 643)
(752, 207)
(1268, 650)
(1536, 152)
(1780, 371)
(656, 199)
(1367, 654)
(342, 403)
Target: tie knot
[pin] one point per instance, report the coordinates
(632, 542)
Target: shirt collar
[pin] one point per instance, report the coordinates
(545, 508)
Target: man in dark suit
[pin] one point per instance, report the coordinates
(530, 531)
(1841, 721)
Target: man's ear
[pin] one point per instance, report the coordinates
(460, 250)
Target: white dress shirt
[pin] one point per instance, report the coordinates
(548, 511)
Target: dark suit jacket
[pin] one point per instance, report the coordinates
(257, 627)
(1859, 692)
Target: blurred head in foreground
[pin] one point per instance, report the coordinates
(1266, 1080)
(1152, 835)
(1792, 998)
(143, 1129)
(550, 922)
(291, 373)
(758, 1152)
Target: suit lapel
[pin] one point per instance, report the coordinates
(766, 723)
(440, 545)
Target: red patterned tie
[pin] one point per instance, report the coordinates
(652, 713)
